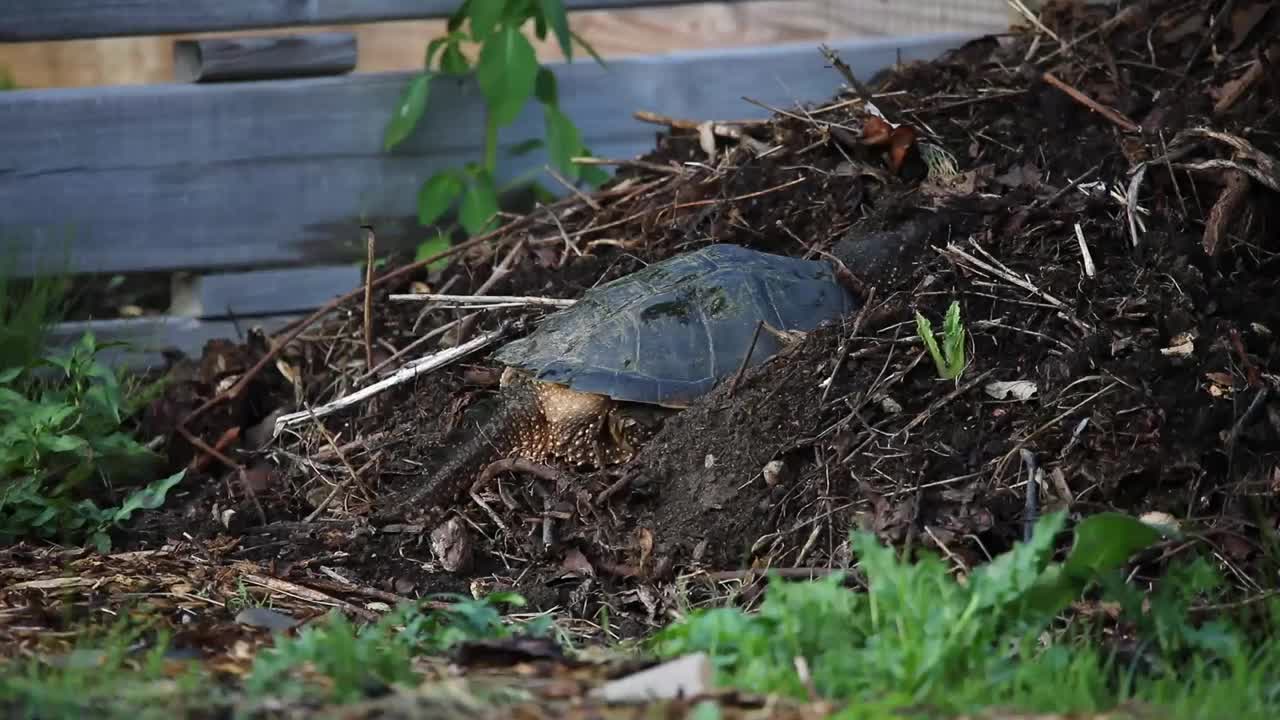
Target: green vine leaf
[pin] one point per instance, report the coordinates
(430, 248)
(554, 13)
(459, 16)
(525, 147)
(437, 195)
(587, 46)
(507, 72)
(453, 61)
(484, 17)
(545, 87)
(563, 141)
(479, 204)
(412, 104)
(450, 44)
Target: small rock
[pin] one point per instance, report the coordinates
(687, 676)
(773, 471)
(709, 462)
(261, 617)
(1162, 521)
(889, 405)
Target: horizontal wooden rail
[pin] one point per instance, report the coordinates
(264, 58)
(41, 20)
(283, 172)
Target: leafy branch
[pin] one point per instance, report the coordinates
(950, 359)
(509, 75)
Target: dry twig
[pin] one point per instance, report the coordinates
(408, 372)
(1116, 118)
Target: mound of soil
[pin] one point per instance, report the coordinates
(1107, 198)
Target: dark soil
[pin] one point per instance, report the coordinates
(1155, 375)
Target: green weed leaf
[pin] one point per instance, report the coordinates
(545, 87)
(553, 11)
(925, 330)
(61, 443)
(459, 16)
(413, 102)
(953, 343)
(147, 498)
(484, 16)
(1105, 542)
(507, 71)
(479, 204)
(437, 195)
(563, 141)
(587, 46)
(437, 244)
(453, 61)
(1004, 580)
(525, 147)
(432, 48)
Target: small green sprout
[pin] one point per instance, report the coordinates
(950, 359)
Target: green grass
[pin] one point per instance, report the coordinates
(118, 672)
(70, 468)
(917, 643)
(920, 644)
(123, 672)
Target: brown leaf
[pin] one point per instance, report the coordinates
(901, 141)
(644, 540)
(875, 131)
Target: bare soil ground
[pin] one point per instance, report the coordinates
(1111, 240)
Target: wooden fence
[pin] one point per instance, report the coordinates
(257, 188)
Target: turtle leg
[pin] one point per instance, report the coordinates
(516, 427)
(576, 424)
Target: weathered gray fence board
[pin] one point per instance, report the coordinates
(283, 172)
(147, 337)
(258, 57)
(261, 292)
(34, 20)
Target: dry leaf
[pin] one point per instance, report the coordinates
(1016, 389)
(707, 140)
(1220, 384)
(1182, 346)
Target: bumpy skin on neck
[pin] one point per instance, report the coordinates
(535, 421)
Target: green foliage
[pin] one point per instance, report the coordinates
(106, 677)
(62, 441)
(28, 309)
(919, 638)
(509, 75)
(355, 662)
(949, 361)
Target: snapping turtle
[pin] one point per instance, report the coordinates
(593, 380)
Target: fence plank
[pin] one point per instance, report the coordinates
(264, 57)
(282, 172)
(75, 19)
(146, 339)
(261, 292)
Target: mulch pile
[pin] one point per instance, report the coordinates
(1109, 182)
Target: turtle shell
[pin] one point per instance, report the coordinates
(669, 333)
